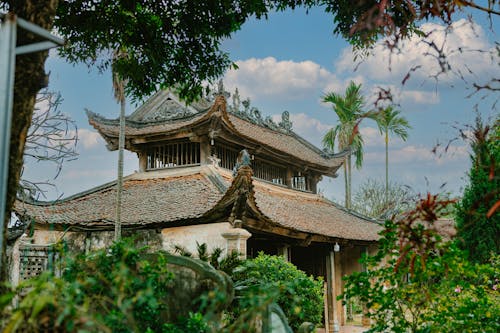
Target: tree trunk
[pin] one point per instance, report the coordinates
(349, 170)
(386, 167)
(119, 185)
(346, 183)
(30, 77)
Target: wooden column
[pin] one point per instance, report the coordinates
(333, 290)
(204, 151)
(285, 252)
(143, 161)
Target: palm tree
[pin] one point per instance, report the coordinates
(389, 120)
(348, 108)
(119, 94)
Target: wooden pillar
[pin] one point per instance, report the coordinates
(204, 151)
(289, 175)
(338, 288)
(333, 290)
(285, 251)
(143, 161)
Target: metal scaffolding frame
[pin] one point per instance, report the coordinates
(9, 23)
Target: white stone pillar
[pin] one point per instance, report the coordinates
(236, 239)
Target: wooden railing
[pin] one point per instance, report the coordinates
(173, 155)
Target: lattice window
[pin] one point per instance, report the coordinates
(227, 156)
(269, 172)
(173, 155)
(261, 169)
(300, 183)
(33, 261)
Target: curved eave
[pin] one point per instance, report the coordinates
(307, 217)
(109, 128)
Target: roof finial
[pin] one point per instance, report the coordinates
(285, 123)
(221, 91)
(236, 100)
(243, 159)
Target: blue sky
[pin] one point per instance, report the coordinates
(288, 63)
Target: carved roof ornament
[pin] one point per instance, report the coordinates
(254, 115)
(236, 99)
(243, 159)
(221, 91)
(285, 123)
(169, 109)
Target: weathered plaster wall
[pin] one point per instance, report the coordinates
(87, 241)
(187, 236)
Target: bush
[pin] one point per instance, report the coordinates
(477, 228)
(110, 290)
(265, 279)
(419, 283)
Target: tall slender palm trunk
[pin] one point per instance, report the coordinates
(349, 182)
(386, 166)
(346, 182)
(119, 185)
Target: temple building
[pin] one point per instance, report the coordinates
(211, 173)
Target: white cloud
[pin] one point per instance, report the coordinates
(89, 139)
(420, 154)
(285, 79)
(372, 137)
(459, 42)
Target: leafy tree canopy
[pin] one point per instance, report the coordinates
(478, 222)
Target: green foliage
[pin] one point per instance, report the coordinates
(349, 110)
(268, 279)
(418, 283)
(166, 43)
(118, 289)
(478, 231)
(363, 22)
(226, 263)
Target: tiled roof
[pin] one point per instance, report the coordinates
(145, 202)
(290, 143)
(111, 127)
(162, 114)
(195, 195)
(311, 213)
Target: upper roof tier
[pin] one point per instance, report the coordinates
(165, 117)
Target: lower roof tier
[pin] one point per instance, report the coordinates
(203, 194)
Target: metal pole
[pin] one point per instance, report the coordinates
(8, 51)
(7, 67)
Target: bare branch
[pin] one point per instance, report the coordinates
(52, 137)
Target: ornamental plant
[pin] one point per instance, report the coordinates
(478, 214)
(118, 289)
(418, 282)
(266, 279)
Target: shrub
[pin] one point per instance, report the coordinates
(118, 289)
(477, 227)
(418, 283)
(266, 278)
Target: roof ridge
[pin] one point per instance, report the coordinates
(293, 134)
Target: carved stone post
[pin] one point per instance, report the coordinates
(237, 241)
